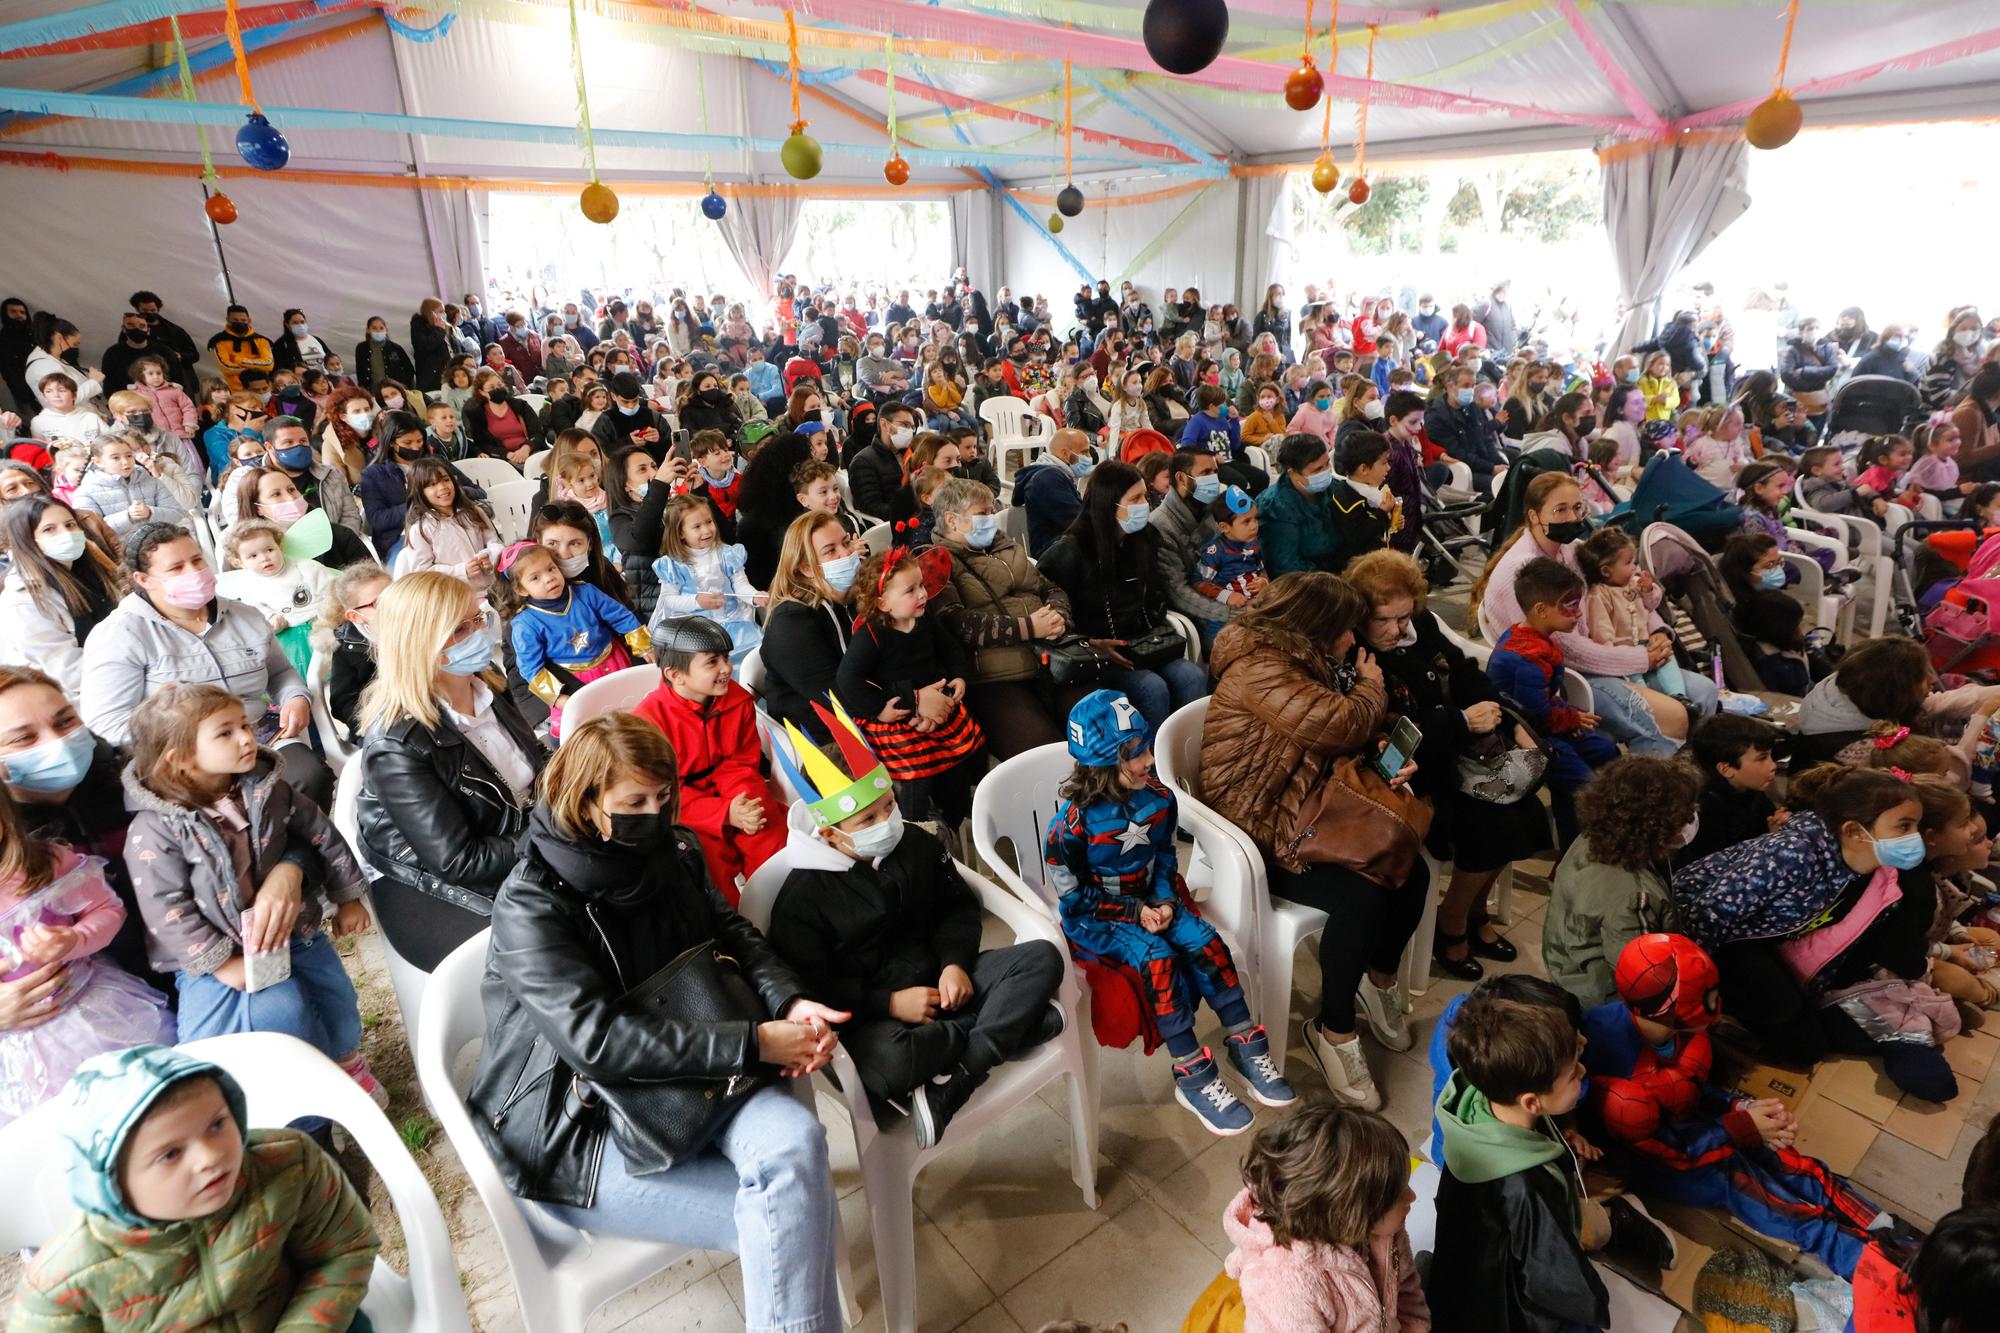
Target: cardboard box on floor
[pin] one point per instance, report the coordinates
(1787, 1085)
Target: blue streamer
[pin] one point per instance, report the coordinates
(91, 19)
(415, 34)
(814, 77)
(1046, 235)
(1167, 132)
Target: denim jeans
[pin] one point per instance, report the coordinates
(764, 1192)
(1627, 719)
(1158, 692)
(316, 1003)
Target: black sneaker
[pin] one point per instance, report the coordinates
(934, 1104)
(1634, 1231)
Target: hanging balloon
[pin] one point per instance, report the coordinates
(1055, 223)
(599, 202)
(262, 144)
(896, 171)
(1070, 202)
(1358, 191)
(221, 209)
(1185, 36)
(1325, 174)
(713, 205)
(1303, 87)
(800, 155)
(1775, 122)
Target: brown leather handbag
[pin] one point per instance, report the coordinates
(1357, 820)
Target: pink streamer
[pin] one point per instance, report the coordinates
(1034, 41)
(1621, 82)
(909, 87)
(1928, 58)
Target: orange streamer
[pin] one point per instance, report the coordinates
(1785, 48)
(1069, 122)
(234, 30)
(1361, 116)
(792, 42)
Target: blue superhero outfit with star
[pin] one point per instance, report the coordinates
(572, 633)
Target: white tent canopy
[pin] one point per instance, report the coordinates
(349, 250)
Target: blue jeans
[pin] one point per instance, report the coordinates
(1626, 717)
(764, 1192)
(316, 1003)
(1158, 692)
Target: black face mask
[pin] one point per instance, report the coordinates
(499, 397)
(645, 832)
(138, 337)
(1586, 425)
(1564, 533)
(239, 327)
(409, 455)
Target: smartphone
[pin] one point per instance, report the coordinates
(1403, 741)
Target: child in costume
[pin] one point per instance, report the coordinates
(1649, 1059)
(1110, 854)
(1234, 560)
(700, 575)
(876, 913)
(288, 591)
(565, 633)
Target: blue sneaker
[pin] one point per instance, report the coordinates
(1250, 1052)
(1198, 1086)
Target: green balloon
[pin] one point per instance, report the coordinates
(1055, 223)
(801, 156)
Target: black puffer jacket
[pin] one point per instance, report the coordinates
(435, 816)
(566, 947)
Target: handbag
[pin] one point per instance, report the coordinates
(1356, 820)
(1493, 770)
(1155, 648)
(657, 1124)
(1074, 660)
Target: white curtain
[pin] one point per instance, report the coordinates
(759, 233)
(1266, 229)
(1662, 208)
(456, 221)
(973, 235)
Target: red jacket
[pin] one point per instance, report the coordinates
(719, 753)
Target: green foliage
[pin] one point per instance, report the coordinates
(417, 1131)
(1549, 198)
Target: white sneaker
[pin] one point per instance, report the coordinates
(1384, 1011)
(1344, 1067)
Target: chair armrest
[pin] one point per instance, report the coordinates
(1577, 690)
(1012, 910)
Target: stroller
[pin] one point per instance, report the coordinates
(1866, 406)
(1670, 492)
(1697, 597)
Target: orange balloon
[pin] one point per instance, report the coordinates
(1358, 191)
(1303, 86)
(1325, 175)
(221, 209)
(1775, 122)
(599, 202)
(896, 171)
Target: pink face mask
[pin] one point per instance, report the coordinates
(286, 512)
(190, 591)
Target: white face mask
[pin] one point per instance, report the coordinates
(1372, 410)
(573, 565)
(1688, 833)
(1966, 337)
(900, 437)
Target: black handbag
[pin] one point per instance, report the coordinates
(658, 1124)
(1074, 660)
(1155, 648)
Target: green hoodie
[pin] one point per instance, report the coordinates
(1479, 1147)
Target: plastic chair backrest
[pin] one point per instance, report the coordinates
(878, 538)
(338, 748)
(1006, 415)
(1014, 803)
(487, 472)
(513, 506)
(750, 673)
(536, 464)
(619, 692)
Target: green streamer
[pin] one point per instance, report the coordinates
(701, 89)
(582, 93)
(209, 175)
(1167, 233)
(889, 59)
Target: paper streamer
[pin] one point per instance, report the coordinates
(1928, 58)
(234, 32)
(582, 95)
(960, 102)
(195, 26)
(411, 33)
(1035, 224)
(1167, 233)
(1614, 73)
(209, 176)
(1193, 151)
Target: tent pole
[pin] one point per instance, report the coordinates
(221, 258)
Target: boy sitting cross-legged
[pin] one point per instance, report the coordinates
(875, 913)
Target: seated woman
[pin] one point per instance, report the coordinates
(1882, 680)
(1769, 621)
(808, 627)
(172, 629)
(608, 891)
(59, 585)
(1456, 707)
(1295, 516)
(1293, 694)
(1106, 563)
(1612, 884)
(448, 767)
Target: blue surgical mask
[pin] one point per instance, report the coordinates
(1465, 397)
(1207, 487)
(1135, 517)
(631, 411)
(378, 335)
(1632, 375)
(52, 766)
(1081, 468)
(471, 654)
(299, 330)
(1904, 853)
(296, 458)
(1319, 481)
(1323, 402)
(981, 529)
(839, 574)
(1895, 344)
(878, 840)
(1772, 578)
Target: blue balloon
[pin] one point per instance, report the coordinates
(262, 144)
(713, 206)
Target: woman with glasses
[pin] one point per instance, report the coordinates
(448, 766)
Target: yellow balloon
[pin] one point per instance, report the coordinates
(599, 202)
(1325, 175)
(1775, 122)
(800, 156)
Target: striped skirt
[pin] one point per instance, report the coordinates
(908, 753)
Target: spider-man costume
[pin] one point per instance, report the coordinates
(1695, 1143)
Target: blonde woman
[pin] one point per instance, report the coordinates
(807, 628)
(448, 766)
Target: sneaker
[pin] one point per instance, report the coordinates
(1198, 1086)
(358, 1070)
(1250, 1052)
(1383, 1009)
(933, 1105)
(1344, 1067)
(1634, 1231)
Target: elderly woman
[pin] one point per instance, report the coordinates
(607, 893)
(448, 767)
(1293, 694)
(1454, 704)
(1001, 606)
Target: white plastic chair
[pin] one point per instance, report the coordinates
(536, 464)
(487, 472)
(751, 674)
(1258, 457)
(538, 401)
(513, 507)
(846, 490)
(619, 692)
(1877, 569)
(405, 977)
(890, 1159)
(1829, 610)
(283, 1080)
(1014, 522)
(1189, 635)
(1014, 430)
(332, 737)
(878, 538)
(561, 1275)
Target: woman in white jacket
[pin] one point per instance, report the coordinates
(58, 587)
(53, 337)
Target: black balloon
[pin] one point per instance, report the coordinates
(1070, 202)
(1185, 36)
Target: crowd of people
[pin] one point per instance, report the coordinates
(211, 545)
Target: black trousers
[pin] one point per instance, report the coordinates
(422, 929)
(308, 773)
(1367, 928)
(1759, 992)
(1011, 989)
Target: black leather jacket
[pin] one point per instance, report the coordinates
(561, 960)
(434, 815)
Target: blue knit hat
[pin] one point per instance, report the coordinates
(1102, 726)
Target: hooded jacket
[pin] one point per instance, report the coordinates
(1309, 1287)
(717, 749)
(1768, 888)
(1275, 725)
(101, 493)
(186, 882)
(859, 931)
(291, 1249)
(136, 650)
(1509, 1206)
(1595, 910)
